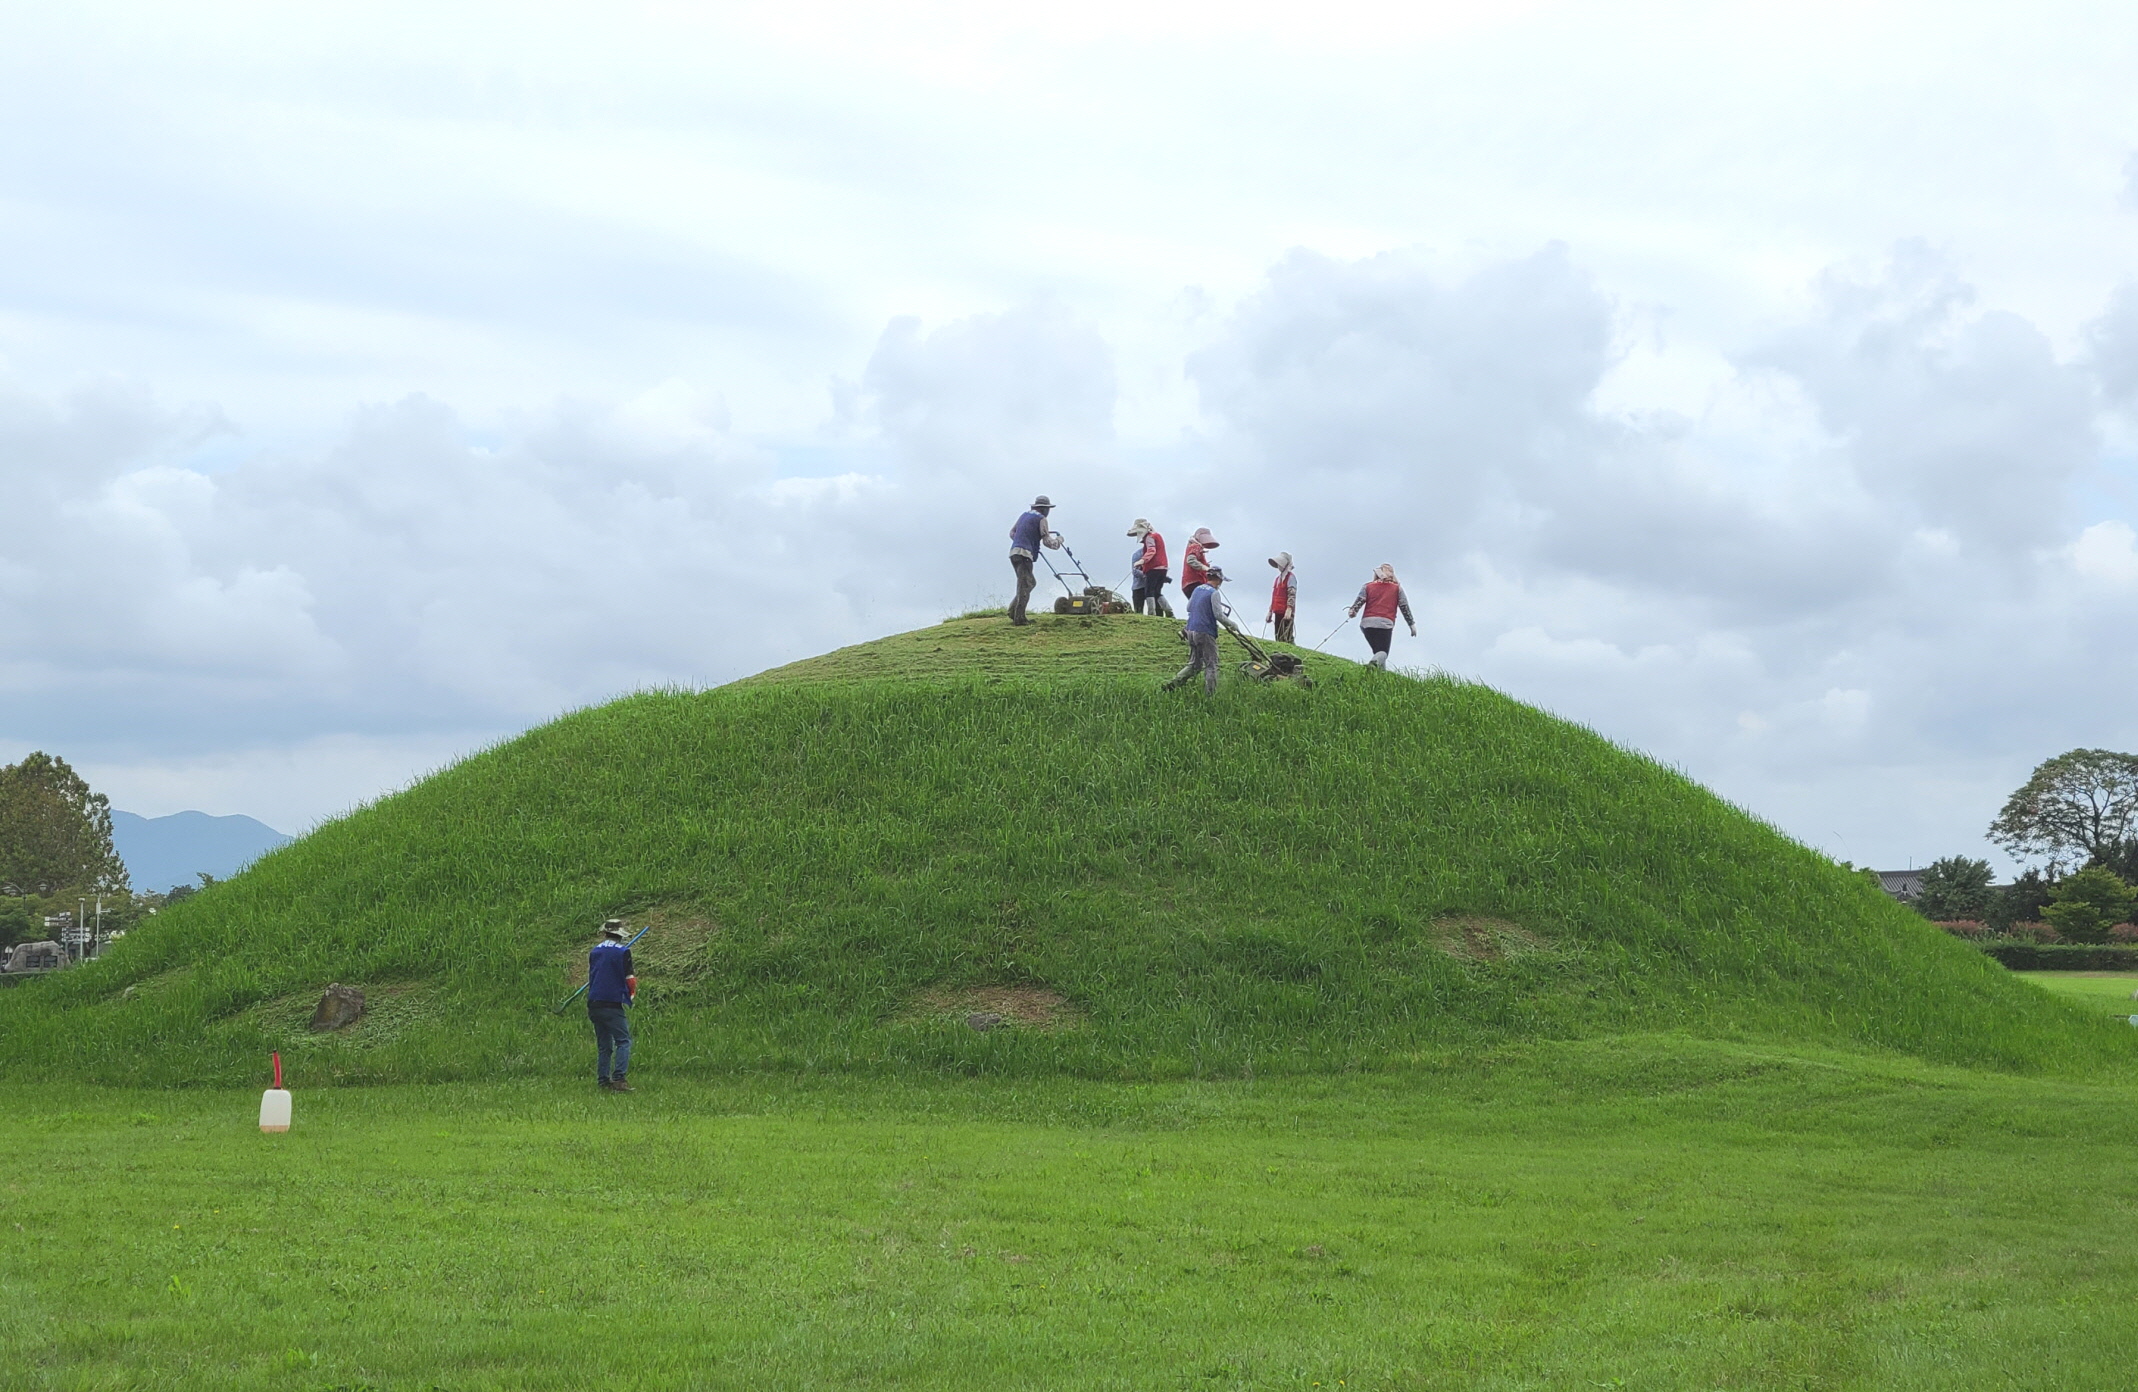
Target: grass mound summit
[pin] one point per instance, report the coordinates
(974, 847)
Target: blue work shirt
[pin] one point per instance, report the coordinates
(606, 967)
(1203, 610)
(1031, 529)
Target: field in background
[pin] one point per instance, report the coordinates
(1651, 1213)
(2108, 992)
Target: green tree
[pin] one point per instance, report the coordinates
(55, 833)
(2021, 901)
(2085, 905)
(1954, 888)
(2077, 808)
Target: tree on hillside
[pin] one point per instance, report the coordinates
(1954, 888)
(2084, 906)
(2077, 808)
(54, 832)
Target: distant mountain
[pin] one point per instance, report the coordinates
(161, 852)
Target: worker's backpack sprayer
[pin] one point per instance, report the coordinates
(1085, 599)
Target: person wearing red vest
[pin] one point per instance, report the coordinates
(1148, 569)
(1196, 568)
(1284, 596)
(1381, 597)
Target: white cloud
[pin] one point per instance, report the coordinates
(1680, 402)
(2105, 552)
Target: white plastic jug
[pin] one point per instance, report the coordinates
(275, 1103)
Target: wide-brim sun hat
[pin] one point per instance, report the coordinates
(1141, 528)
(1202, 534)
(1214, 574)
(1282, 560)
(1042, 503)
(614, 928)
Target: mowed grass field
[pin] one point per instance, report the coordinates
(2108, 992)
(1645, 1212)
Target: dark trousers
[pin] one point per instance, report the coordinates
(1150, 593)
(1025, 584)
(1285, 626)
(1202, 657)
(612, 1037)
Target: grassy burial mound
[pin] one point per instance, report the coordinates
(852, 861)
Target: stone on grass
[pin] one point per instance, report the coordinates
(339, 1007)
(984, 1020)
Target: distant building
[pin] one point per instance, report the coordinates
(1903, 885)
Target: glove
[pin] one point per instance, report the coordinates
(631, 990)
(1414, 630)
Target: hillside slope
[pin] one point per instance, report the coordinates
(847, 857)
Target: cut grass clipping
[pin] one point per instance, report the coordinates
(1376, 870)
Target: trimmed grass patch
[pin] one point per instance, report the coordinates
(1646, 1212)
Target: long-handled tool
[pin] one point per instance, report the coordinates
(1332, 632)
(583, 985)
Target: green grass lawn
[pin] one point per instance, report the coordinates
(1650, 1212)
(2108, 992)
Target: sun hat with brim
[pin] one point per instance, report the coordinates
(1142, 528)
(1042, 503)
(614, 928)
(1282, 560)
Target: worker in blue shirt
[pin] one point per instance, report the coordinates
(611, 984)
(1027, 535)
(1205, 609)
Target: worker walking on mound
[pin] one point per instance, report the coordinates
(611, 984)
(1148, 567)
(1284, 596)
(1026, 537)
(1196, 568)
(1381, 597)
(1205, 610)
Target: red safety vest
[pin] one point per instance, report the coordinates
(1154, 553)
(1195, 570)
(1280, 595)
(1382, 597)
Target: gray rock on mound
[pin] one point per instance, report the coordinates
(341, 1006)
(984, 1020)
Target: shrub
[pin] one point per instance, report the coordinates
(2123, 933)
(1968, 928)
(2031, 932)
(2019, 956)
(2085, 905)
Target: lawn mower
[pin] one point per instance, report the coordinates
(1264, 665)
(1090, 599)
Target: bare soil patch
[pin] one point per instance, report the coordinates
(1478, 939)
(1028, 1007)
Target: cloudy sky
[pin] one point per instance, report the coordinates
(1757, 384)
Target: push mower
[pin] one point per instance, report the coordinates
(1090, 599)
(1264, 665)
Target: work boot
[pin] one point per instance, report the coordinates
(617, 1084)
